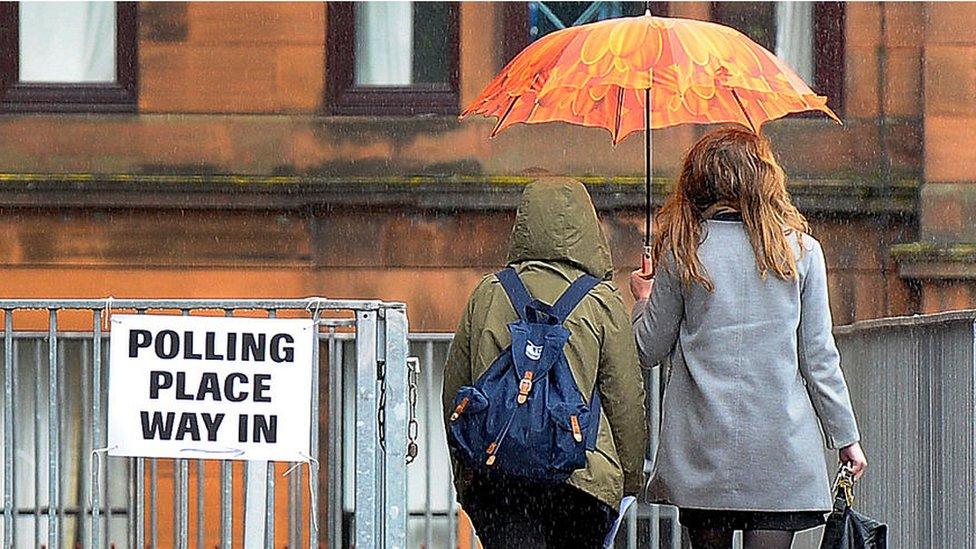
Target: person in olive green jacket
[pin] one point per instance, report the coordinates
(556, 238)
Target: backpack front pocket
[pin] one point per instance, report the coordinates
(569, 445)
(467, 423)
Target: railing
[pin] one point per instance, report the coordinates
(58, 491)
(911, 380)
(913, 383)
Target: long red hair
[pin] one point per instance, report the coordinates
(734, 167)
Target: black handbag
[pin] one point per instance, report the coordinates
(846, 528)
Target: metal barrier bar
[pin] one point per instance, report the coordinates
(96, 435)
(198, 304)
(295, 506)
(140, 488)
(53, 440)
(378, 478)
(181, 501)
(154, 502)
(106, 479)
(38, 389)
(654, 427)
(313, 469)
(336, 364)
(9, 369)
(226, 491)
(632, 528)
(269, 505)
(139, 511)
(255, 494)
(200, 486)
(84, 494)
(366, 487)
(397, 398)
(431, 412)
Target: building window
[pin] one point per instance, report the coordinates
(526, 22)
(68, 56)
(392, 58)
(808, 36)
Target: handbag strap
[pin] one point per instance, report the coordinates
(844, 488)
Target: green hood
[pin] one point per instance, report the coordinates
(556, 221)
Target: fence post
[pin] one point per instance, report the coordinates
(8, 429)
(366, 485)
(397, 396)
(255, 503)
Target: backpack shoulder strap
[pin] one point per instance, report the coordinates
(515, 290)
(573, 295)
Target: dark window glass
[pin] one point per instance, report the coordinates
(431, 43)
(757, 20)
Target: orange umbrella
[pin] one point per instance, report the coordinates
(641, 73)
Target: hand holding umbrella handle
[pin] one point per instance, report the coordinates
(646, 261)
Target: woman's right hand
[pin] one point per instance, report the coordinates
(854, 455)
(641, 283)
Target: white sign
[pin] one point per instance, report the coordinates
(210, 387)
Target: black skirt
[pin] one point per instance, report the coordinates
(750, 520)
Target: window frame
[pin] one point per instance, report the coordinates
(829, 45)
(516, 17)
(86, 97)
(345, 98)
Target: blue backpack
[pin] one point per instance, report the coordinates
(525, 416)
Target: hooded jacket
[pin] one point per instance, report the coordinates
(556, 238)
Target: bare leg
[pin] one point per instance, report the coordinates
(710, 538)
(767, 539)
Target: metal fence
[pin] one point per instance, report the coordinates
(913, 382)
(58, 491)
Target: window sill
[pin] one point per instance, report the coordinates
(109, 98)
(406, 101)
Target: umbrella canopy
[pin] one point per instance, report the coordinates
(598, 74)
(641, 73)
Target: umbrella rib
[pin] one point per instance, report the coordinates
(735, 94)
(502, 118)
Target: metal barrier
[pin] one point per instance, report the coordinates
(58, 491)
(913, 383)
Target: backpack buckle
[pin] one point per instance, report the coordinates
(525, 386)
(460, 408)
(492, 448)
(577, 432)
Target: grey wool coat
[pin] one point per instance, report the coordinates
(755, 388)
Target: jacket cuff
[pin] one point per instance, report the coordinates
(836, 443)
